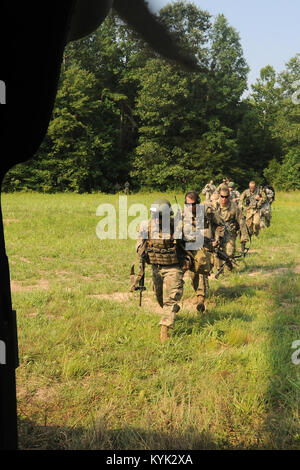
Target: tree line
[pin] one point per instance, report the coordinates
(123, 113)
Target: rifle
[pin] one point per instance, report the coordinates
(208, 243)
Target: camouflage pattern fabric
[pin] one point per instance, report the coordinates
(167, 282)
(208, 190)
(200, 284)
(235, 220)
(213, 228)
(253, 208)
(168, 288)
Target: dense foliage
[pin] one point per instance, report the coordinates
(124, 114)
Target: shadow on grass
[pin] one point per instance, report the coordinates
(100, 437)
(191, 325)
(231, 293)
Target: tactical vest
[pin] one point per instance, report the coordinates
(231, 223)
(250, 200)
(162, 251)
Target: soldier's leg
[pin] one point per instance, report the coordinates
(231, 245)
(256, 223)
(172, 293)
(202, 292)
(217, 262)
(249, 222)
(194, 280)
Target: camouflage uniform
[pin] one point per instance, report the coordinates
(127, 185)
(221, 186)
(234, 194)
(208, 190)
(266, 207)
(235, 221)
(167, 274)
(253, 208)
(213, 228)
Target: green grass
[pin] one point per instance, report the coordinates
(92, 372)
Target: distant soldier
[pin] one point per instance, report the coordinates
(234, 194)
(208, 190)
(266, 213)
(117, 188)
(213, 227)
(252, 200)
(156, 239)
(127, 186)
(235, 221)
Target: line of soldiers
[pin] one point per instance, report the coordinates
(169, 247)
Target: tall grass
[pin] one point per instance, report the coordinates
(92, 372)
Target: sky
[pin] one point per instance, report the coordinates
(269, 29)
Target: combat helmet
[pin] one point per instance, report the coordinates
(161, 206)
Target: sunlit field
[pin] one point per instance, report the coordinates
(93, 374)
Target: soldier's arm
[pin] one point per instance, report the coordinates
(217, 222)
(263, 198)
(243, 195)
(142, 235)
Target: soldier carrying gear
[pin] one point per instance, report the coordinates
(235, 221)
(208, 190)
(213, 227)
(156, 238)
(252, 199)
(126, 187)
(234, 194)
(266, 213)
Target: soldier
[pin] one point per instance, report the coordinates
(127, 185)
(117, 188)
(253, 199)
(266, 213)
(234, 194)
(213, 227)
(208, 190)
(235, 221)
(156, 238)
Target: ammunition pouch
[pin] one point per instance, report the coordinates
(162, 256)
(203, 262)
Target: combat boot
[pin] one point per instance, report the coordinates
(164, 334)
(200, 304)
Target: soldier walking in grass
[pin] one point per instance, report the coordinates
(208, 190)
(157, 240)
(126, 188)
(213, 228)
(252, 200)
(234, 194)
(266, 213)
(235, 223)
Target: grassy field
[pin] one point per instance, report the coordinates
(93, 374)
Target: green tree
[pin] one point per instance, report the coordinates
(188, 120)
